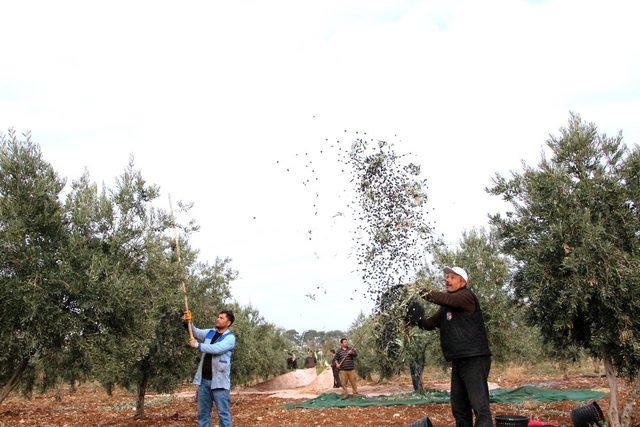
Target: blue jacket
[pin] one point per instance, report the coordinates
(220, 356)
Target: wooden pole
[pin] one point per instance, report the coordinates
(184, 286)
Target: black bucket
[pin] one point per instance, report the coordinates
(587, 415)
(511, 421)
(424, 422)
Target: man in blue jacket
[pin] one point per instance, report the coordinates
(213, 376)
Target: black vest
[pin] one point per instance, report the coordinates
(463, 334)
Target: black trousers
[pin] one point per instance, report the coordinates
(470, 392)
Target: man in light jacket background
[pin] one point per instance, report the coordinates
(213, 376)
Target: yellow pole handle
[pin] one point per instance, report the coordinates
(184, 287)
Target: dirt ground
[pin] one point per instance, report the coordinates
(90, 405)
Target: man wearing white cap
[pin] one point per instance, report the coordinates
(464, 342)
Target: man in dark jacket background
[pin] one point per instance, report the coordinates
(335, 369)
(292, 362)
(310, 361)
(464, 342)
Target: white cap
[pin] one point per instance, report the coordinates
(456, 270)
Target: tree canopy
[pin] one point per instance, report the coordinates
(574, 230)
(90, 284)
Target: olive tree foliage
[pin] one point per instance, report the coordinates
(330, 341)
(118, 257)
(574, 230)
(423, 349)
(261, 347)
(37, 302)
(91, 287)
(390, 351)
(123, 257)
(361, 337)
(319, 340)
(490, 271)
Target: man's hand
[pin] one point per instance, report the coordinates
(187, 316)
(193, 343)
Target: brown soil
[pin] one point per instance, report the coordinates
(90, 405)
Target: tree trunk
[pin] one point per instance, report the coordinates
(629, 410)
(58, 395)
(142, 389)
(564, 367)
(15, 378)
(614, 418)
(416, 367)
(596, 365)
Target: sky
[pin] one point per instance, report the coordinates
(215, 99)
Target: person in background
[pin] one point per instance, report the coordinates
(310, 361)
(335, 369)
(292, 362)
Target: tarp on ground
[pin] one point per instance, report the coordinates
(520, 394)
(294, 379)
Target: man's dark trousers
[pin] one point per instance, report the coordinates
(470, 392)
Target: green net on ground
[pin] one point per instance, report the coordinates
(520, 394)
(537, 394)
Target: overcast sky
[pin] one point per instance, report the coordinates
(209, 96)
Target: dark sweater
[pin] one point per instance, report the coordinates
(462, 330)
(206, 363)
(310, 362)
(345, 358)
(461, 300)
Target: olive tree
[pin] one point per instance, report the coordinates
(573, 228)
(37, 303)
(124, 259)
